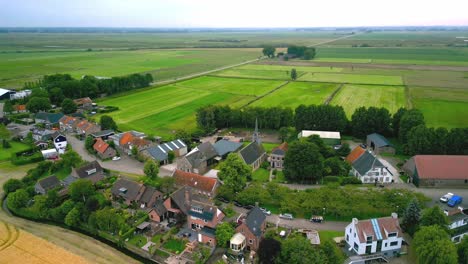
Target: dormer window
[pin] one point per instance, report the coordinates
(91, 171)
(123, 190)
(197, 209)
(394, 234)
(369, 239)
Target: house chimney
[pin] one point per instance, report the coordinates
(355, 221)
(256, 204)
(394, 215)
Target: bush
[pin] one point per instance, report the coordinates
(108, 109)
(265, 165)
(328, 179)
(350, 180)
(26, 157)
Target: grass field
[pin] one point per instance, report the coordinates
(441, 106)
(18, 68)
(284, 68)
(5, 154)
(354, 96)
(297, 93)
(352, 78)
(261, 175)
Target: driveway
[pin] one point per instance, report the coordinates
(125, 164)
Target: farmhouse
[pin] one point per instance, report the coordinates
(160, 152)
(377, 235)
(103, 150)
(329, 137)
(252, 227)
(67, 123)
(20, 94)
(60, 142)
(277, 156)
(199, 160)
(91, 171)
(204, 185)
(254, 154)
(438, 170)
(379, 144)
(223, 147)
(368, 168)
(458, 223)
(84, 103)
(44, 185)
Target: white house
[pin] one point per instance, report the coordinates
(369, 169)
(20, 94)
(60, 142)
(375, 236)
(458, 223)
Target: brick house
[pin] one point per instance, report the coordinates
(277, 156)
(199, 160)
(103, 150)
(84, 127)
(202, 184)
(127, 190)
(252, 227)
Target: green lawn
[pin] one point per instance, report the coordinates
(5, 154)
(329, 235)
(297, 93)
(261, 175)
(354, 96)
(175, 245)
(262, 74)
(138, 240)
(352, 78)
(279, 177)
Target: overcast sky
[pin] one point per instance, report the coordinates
(233, 13)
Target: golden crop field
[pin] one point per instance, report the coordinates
(18, 246)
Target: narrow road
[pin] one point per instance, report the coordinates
(332, 40)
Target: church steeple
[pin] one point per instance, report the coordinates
(256, 135)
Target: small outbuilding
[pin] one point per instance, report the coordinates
(331, 138)
(379, 144)
(44, 185)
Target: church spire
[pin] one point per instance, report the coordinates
(256, 135)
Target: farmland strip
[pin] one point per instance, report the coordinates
(263, 95)
(328, 100)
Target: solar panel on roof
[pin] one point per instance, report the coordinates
(161, 149)
(182, 143)
(375, 225)
(167, 146)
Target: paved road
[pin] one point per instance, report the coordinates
(333, 40)
(1, 110)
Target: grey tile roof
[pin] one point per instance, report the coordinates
(159, 152)
(82, 171)
(366, 162)
(224, 147)
(210, 232)
(379, 140)
(252, 152)
(132, 189)
(148, 194)
(207, 211)
(69, 180)
(159, 207)
(49, 183)
(50, 117)
(254, 221)
(103, 133)
(201, 153)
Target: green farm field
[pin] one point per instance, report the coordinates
(18, 68)
(354, 96)
(352, 78)
(297, 93)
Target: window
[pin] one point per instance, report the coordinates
(347, 238)
(250, 241)
(466, 181)
(465, 221)
(356, 246)
(369, 239)
(354, 234)
(394, 243)
(385, 244)
(394, 234)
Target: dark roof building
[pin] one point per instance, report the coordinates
(44, 185)
(91, 171)
(48, 118)
(366, 162)
(254, 154)
(224, 147)
(160, 152)
(379, 144)
(254, 221)
(129, 190)
(204, 184)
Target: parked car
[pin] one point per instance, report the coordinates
(236, 203)
(316, 219)
(248, 207)
(446, 197)
(455, 200)
(286, 216)
(116, 158)
(265, 211)
(222, 199)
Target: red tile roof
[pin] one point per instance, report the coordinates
(84, 100)
(448, 167)
(196, 181)
(20, 107)
(139, 142)
(100, 145)
(355, 154)
(126, 138)
(385, 224)
(283, 147)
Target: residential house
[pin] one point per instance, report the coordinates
(67, 123)
(128, 190)
(331, 138)
(252, 227)
(19, 94)
(85, 128)
(91, 171)
(458, 223)
(379, 144)
(158, 212)
(60, 142)
(104, 134)
(50, 154)
(204, 185)
(20, 108)
(375, 236)
(160, 152)
(117, 138)
(369, 169)
(437, 170)
(46, 184)
(277, 156)
(48, 119)
(149, 197)
(254, 154)
(199, 160)
(42, 134)
(103, 150)
(223, 147)
(354, 154)
(84, 103)
(128, 140)
(41, 144)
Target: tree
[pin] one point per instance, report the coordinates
(432, 245)
(18, 199)
(420, 140)
(151, 169)
(309, 54)
(89, 143)
(365, 121)
(107, 122)
(298, 250)
(167, 184)
(71, 159)
(81, 189)
(224, 233)
(409, 120)
(396, 120)
(108, 219)
(68, 106)
(170, 156)
(269, 251)
(293, 74)
(73, 217)
(4, 132)
(434, 216)
(56, 95)
(53, 199)
(332, 252)
(462, 250)
(92, 204)
(336, 166)
(344, 150)
(37, 104)
(411, 217)
(283, 133)
(269, 51)
(8, 107)
(234, 172)
(12, 185)
(303, 162)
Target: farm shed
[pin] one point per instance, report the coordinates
(329, 137)
(438, 170)
(379, 144)
(5, 94)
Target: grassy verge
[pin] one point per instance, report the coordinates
(261, 175)
(174, 245)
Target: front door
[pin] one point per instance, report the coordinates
(368, 249)
(379, 246)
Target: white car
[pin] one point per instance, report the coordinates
(446, 197)
(265, 211)
(286, 216)
(116, 158)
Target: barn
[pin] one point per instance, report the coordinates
(5, 94)
(379, 144)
